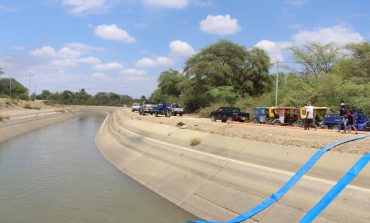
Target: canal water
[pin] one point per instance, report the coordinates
(56, 174)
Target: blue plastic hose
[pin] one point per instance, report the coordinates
(288, 185)
(336, 190)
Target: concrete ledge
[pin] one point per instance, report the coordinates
(214, 184)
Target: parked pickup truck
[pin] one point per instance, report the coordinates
(146, 107)
(229, 114)
(162, 109)
(135, 107)
(176, 110)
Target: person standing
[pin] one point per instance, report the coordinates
(350, 119)
(309, 121)
(343, 118)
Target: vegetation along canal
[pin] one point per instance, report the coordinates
(56, 174)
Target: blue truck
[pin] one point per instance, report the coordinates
(162, 109)
(361, 121)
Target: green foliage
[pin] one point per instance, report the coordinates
(83, 98)
(223, 71)
(315, 59)
(12, 88)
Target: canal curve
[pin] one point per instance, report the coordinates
(56, 174)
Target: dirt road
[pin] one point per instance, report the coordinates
(290, 136)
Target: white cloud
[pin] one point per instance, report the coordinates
(133, 72)
(273, 49)
(167, 3)
(83, 48)
(179, 49)
(64, 62)
(154, 62)
(89, 60)
(340, 35)
(113, 32)
(45, 51)
(81, 6)
(108, 66)
(220, 25)
(66, 52)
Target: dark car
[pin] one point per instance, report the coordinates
(229, 114)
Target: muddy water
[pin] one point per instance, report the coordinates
(56, 174)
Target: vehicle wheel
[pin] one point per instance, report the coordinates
(213, 118)
(223, 120)
(180, 114)
(276, 122)
(132, 110)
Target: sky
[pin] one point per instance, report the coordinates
(122, 46)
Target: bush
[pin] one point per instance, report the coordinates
(195, 141)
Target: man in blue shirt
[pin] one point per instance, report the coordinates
(342, 118)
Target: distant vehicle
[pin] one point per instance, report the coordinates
(135, 107)
(282, 115)
(261, 114)
(176, 110)
(229, 114)
(361, 121)
(162, 109)
(146, 107)
(319, 114)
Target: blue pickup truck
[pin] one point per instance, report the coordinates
(162, 109)
(362, 122)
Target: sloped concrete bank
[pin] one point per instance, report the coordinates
(217, 180)
(12, 129)
(28, 123)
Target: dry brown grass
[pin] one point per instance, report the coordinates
(195, 141)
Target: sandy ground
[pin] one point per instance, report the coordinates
(291, 136)
(12, 111)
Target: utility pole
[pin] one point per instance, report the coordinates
(277, 83)
(10, 87)
(30, 75)
(1, 73)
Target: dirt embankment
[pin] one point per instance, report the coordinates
(290, 136)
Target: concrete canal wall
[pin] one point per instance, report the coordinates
(218, 184)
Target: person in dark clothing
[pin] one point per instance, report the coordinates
(343, 118)
(350, 117)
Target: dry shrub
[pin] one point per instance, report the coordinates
(195, 141)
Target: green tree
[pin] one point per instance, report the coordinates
(10, 85)
(316, 59)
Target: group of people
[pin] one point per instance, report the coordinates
(346, 118)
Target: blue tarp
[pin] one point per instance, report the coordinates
(288, 185)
